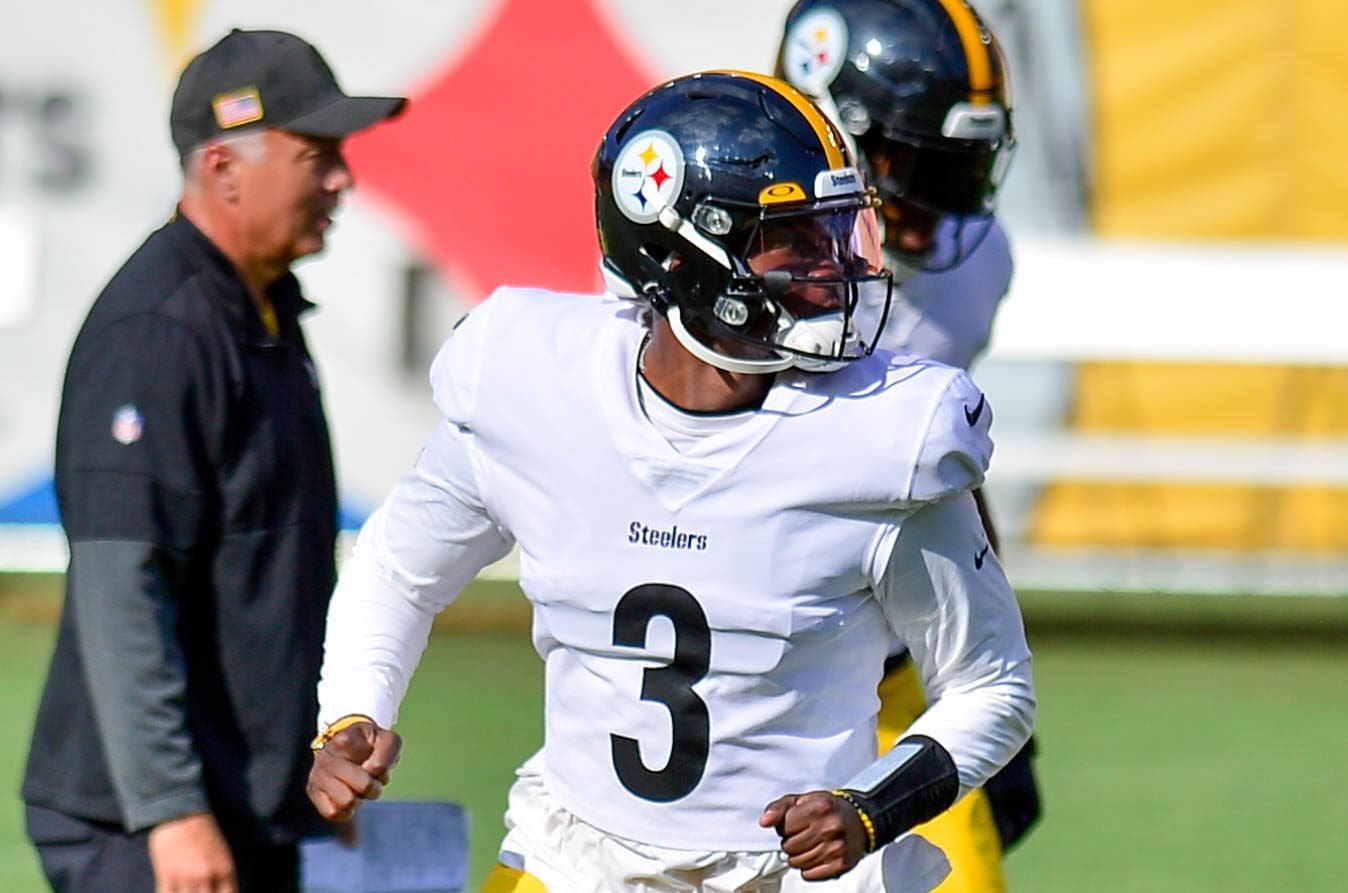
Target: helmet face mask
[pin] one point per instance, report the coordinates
(921, 188)
(729, 202)
(809, 284)
(921, 88)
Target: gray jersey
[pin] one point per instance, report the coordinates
(947, 315)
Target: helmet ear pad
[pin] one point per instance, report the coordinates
(717, 303)
(718, 308)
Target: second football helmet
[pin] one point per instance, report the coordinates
(731, 203)
(919, 85)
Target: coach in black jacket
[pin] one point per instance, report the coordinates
(195, 483)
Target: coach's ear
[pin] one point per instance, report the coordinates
(220, 169)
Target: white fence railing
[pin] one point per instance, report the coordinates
(1077, 300)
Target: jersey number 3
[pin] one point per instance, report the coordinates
(671, 685)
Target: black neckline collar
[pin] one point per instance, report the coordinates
(286, 296)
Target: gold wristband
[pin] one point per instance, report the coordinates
(865, 819)
(339, 725)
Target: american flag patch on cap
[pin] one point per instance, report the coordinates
(237, 107)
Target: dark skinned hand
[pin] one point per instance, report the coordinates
(821, 833)
(351, 768)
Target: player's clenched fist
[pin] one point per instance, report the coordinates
(821, 833)
(352, 762)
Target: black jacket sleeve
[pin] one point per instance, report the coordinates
(135, 483)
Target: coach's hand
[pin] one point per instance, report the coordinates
(352, 767)
(190, 855)
(821, 833)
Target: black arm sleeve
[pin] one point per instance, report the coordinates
(135, 482)
(922, 784)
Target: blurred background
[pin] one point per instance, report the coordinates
(1169, 372)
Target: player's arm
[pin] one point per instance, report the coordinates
(945, 594)
(942, 588)
(429, 539)
(426, 541)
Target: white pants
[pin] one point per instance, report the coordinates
(570, 856)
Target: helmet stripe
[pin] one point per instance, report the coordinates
(823, 128)
(976, 51)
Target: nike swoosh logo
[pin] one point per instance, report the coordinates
(978, 559)
(971, 415)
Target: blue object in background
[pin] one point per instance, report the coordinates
(401, 846)
(35, 503)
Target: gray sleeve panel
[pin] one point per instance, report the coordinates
(126, 620)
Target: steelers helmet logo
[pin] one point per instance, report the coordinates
(815, 49)
(648, 175)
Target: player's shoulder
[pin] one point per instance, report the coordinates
(531, 313)
(519, 332)
(927, 416)
(955, 447)
(945, 395)
(898, 377)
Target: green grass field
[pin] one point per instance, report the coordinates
(1184, 746)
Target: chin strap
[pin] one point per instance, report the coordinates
(809, 341)
(816, 336)
(715, 358)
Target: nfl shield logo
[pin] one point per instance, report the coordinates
(127, 424)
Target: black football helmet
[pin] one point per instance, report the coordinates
(731, 204)
(921, 88)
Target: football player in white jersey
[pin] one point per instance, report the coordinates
(725, 504)
(920, 89)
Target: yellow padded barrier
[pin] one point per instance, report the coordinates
(1215, 118)
(1203, 400)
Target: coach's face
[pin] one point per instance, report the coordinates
(289, 195)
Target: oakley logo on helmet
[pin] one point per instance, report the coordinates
(815, 49)
(779, 193)
(966, 121)
(648, 175)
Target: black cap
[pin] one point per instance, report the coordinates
(267, 79)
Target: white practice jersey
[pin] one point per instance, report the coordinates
(713, 620)
(947, 314)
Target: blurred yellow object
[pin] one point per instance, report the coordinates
(1211, 398)
(177, 21)
(509, 880)
(1196, 516)
(966, 832)
(1201, 399)
(1215, 118)
(1212, 119)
